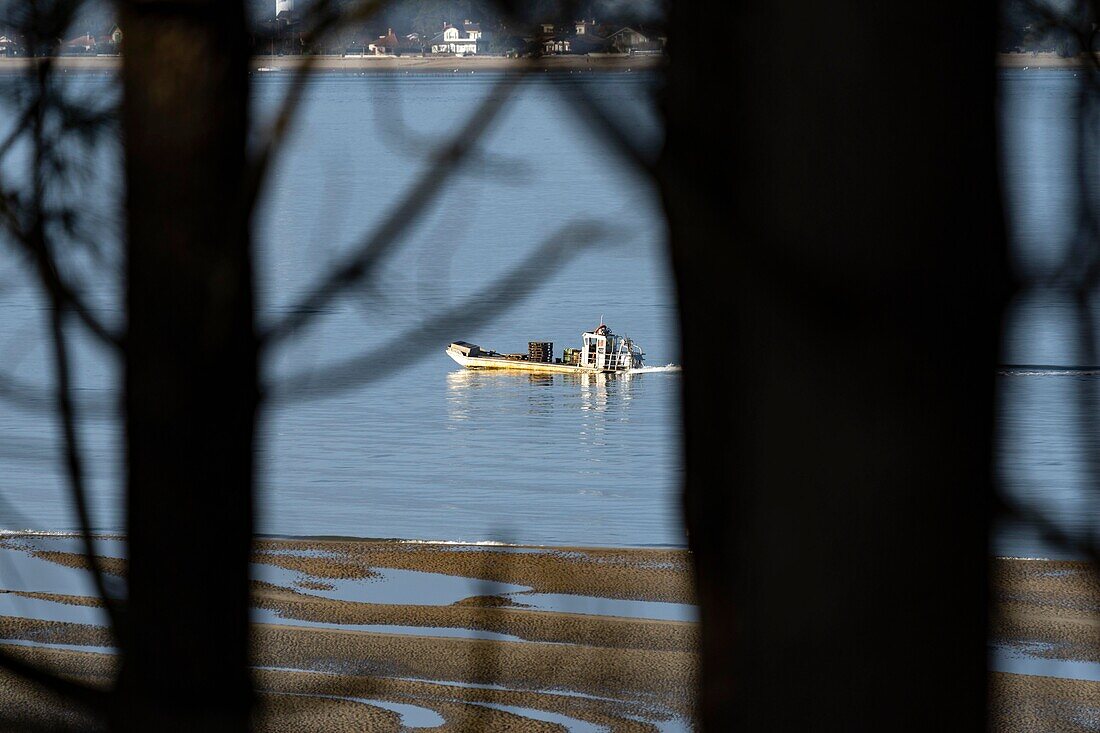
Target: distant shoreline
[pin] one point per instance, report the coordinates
(1045, 60)
(408, 64)
(455, 64)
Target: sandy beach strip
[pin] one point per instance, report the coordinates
(607, 672)
(1026, 704)
(456, 678)
(1044, 60)
(292, 700)
(322, 663)
(1052, 606)
(630, 573)
(610, 632)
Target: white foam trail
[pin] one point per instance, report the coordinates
(1048, 373)
(667, 368)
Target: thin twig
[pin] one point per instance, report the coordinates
(470, 313)
(36, 243)
(384, 239)
(44, 678)
(52, 278)
(593, 115)
(34, 398)
(74, 464)
(326, 20)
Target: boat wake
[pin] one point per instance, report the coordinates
(1047, 370)
(656, 369)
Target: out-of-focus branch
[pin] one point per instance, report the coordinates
(51, 277)
(44, 678)
(70, 298)
(1049, 528)
(73, 463)
(17, 130)
(326, 17)
(37, 245)
(384, 239)
(468, 314)
(587, 109)
(39, 399)
(593, 115)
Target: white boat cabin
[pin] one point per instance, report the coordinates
(604, 350)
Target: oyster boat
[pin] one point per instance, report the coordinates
(601, 351)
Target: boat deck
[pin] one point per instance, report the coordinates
(500, 362)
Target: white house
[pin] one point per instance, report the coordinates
(458, 42)
(555, 44)
(627, 38)
(583, 27)
(386, 45)
(283, 6)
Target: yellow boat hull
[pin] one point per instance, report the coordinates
(494, 362)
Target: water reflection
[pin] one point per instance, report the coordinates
(570, 455)
(594, 408)
(469, 390)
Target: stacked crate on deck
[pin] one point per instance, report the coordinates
(571, 356)
(540, 351)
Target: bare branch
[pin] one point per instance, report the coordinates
(593, 115)
(327, 17)
(470, 313)
(386, 236)
(1049, 528)
(51, 277)
(19, 128)
(44, 678)
(39, 399)
(35, 241)
(74, 464)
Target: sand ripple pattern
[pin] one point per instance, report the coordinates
(382, 635)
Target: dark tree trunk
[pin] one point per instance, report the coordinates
(191, 368)
(836, 238)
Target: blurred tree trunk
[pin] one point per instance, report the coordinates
(837, 246)
(191, 368)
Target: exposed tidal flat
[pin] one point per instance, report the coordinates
(380, 635)
(388, 635)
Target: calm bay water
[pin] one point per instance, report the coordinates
(1048, 417)
(430, 451)
(433, 452)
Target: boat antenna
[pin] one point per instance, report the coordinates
(601, 319)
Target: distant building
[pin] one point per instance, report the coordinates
(452, 40)
(109, 41)
(633, 41)
(386, 45)
(390, 44)
(282, 34)
(555, 45)
(83, 45)
(10, 46)
(585, 27)
(588, 42)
